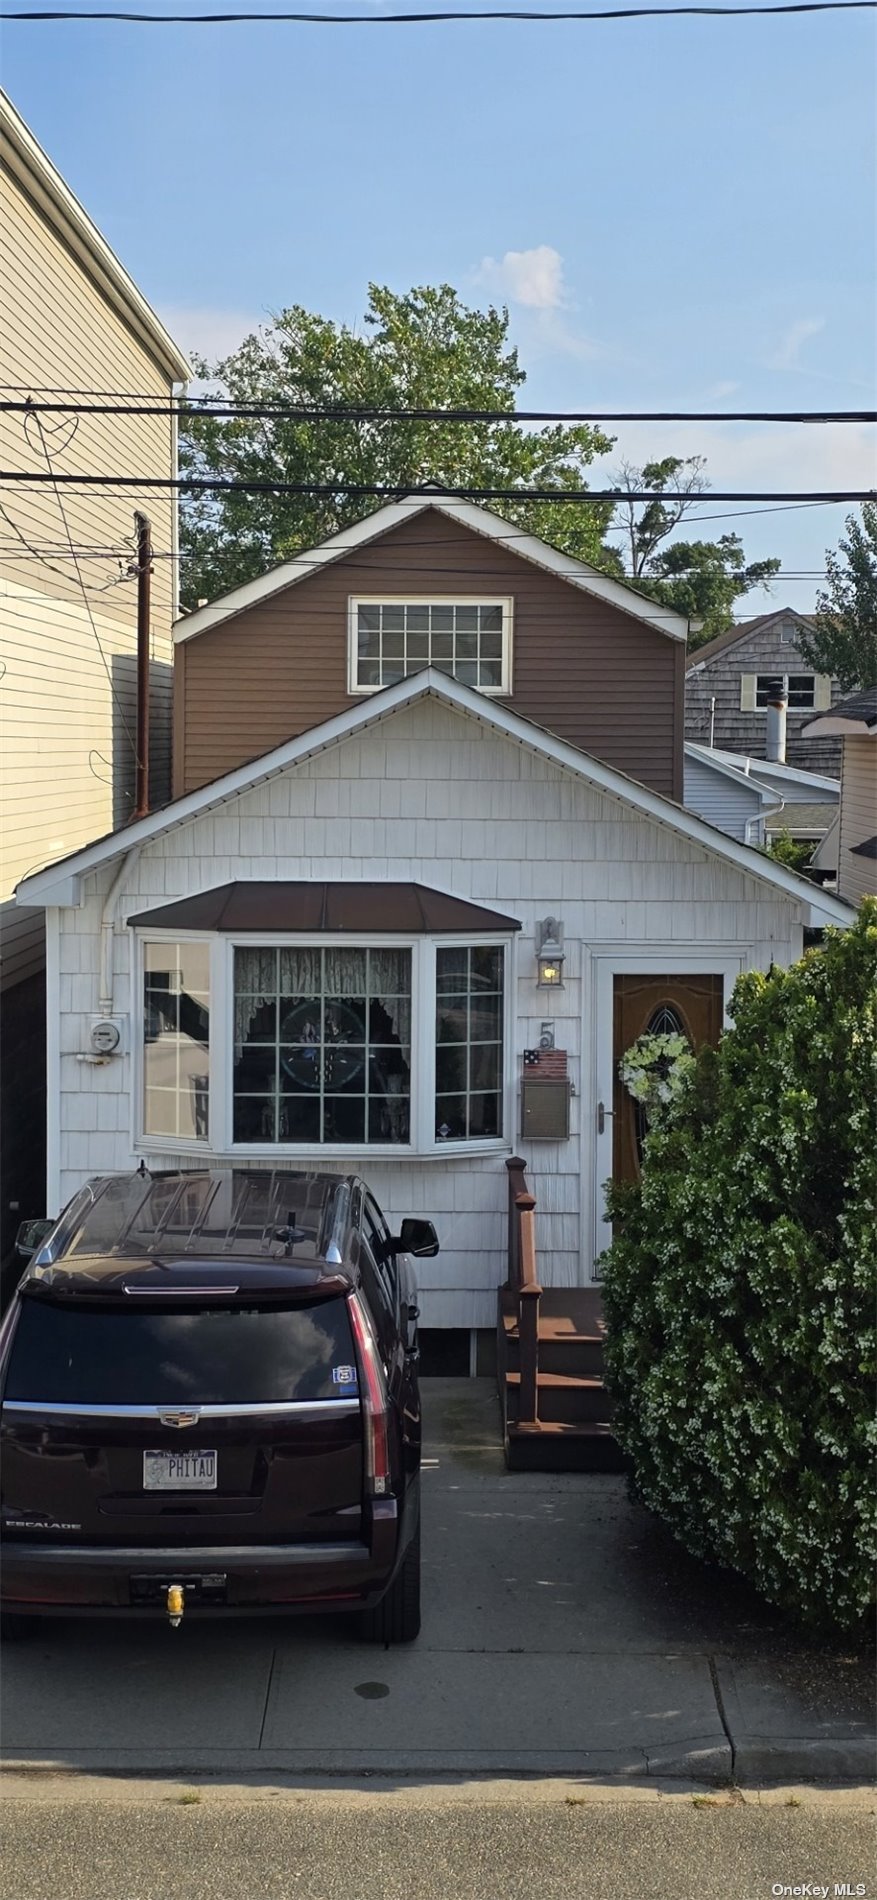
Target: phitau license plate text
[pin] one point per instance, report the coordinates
(179, 1471)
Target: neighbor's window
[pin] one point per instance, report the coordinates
(800, 689)
(467, 639)
(176, 1040)
(322, 1045)
(469, 1037)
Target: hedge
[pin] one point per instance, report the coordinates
(740, 1289)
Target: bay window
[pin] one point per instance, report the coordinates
(324, 1044)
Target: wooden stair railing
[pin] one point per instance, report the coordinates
(524, 1282)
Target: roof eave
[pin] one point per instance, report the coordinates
(25, 159)
(41, 888)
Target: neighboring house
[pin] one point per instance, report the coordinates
(755, 799)
(324, 951)
(71, 322)
(727, 684)
(854, 722)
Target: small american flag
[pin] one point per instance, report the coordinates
(550, 1063)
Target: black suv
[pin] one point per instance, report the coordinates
(210, 1404)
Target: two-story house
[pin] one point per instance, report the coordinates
(851, 848)
(728, 682)
(73, 327)
(426, 876)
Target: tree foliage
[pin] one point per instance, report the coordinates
(423, 349)
(843, 641)
(701, 580)
(739, 1289)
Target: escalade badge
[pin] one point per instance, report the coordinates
(179, 1418)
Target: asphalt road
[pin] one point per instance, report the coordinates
(83, 1840)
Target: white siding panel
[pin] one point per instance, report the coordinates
(716, 798)
(613, 878)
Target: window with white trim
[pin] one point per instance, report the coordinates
(322, 1045)
(469, 639)
(325, 1044)
(176, 1040)
(800, 689)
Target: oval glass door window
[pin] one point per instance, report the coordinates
(664, 1021)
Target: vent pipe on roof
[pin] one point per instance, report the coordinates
(777, 703)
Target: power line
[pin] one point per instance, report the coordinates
(438, 19)
(431, 491)
(337, 412)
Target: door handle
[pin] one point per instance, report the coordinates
(604, 1114)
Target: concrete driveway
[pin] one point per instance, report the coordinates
(563, 1633)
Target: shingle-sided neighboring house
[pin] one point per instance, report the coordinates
(71, 320)
(854, 722)
(728, 681)
(404, 760)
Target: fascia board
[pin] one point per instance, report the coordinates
(701, 755)
(626, 791)
(25, 159)
(481, 521)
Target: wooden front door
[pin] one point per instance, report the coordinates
(692, 1006)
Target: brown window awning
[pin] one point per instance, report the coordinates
(359, 908)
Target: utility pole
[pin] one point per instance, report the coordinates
(144, 574)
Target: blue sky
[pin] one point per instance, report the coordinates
(679, 213)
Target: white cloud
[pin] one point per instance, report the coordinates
(791, 344)
(533, 278)
(208, 332)
(718, 391)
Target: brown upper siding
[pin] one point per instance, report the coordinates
(581, 668)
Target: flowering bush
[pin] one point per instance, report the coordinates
(739, 1289)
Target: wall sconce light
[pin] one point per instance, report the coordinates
(549, 954)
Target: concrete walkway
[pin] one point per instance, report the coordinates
(564, 1633)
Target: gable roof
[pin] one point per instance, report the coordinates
(716, 762)
(481, 521)
(742, 630)
(25, 160)
(856, 714)
(778, 775)
(58, 883)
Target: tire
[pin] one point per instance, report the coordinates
(396, 1619)
(16, 1629)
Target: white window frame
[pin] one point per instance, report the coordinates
(504, 601)
(140, 1140)
(423, 1144)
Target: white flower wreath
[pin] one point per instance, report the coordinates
(654, 1069)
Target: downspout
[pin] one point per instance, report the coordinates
(759, 821)
(107, 931)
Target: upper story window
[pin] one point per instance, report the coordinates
(468, 638)
(800, 689)
(805, 692)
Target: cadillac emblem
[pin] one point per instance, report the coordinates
(179, 1419)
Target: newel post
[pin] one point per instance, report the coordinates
(517, 1185)
(530, 1294)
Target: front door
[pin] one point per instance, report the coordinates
(691, 1006)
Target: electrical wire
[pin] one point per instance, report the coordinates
(55, 480)
(196, 407)
(435, 19)
(434, 491)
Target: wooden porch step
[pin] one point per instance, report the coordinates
(564, 1398)
(557, 1446)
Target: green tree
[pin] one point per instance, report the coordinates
(701, 580)
(420, 350)
(789, 851)
(844, 638)
(739, 1289)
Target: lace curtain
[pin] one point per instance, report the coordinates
(261, 975)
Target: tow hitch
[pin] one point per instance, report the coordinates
(176, 1595)
(176, 1603)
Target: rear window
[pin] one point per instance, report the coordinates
(78, 1355)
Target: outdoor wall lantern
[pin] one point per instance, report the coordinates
(549, 954)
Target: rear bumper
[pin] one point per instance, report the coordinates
(47, 1580)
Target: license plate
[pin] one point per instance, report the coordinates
(179, 1471)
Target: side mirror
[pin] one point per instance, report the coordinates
(30, 1237)
(418, 1237)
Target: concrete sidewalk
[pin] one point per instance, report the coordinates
(564, 1633)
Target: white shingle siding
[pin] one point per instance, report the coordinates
(484, 819)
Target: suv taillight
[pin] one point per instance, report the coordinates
(374, 1402)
